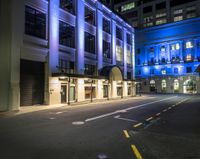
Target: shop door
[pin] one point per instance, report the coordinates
(63, 93)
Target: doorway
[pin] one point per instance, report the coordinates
(63, 93)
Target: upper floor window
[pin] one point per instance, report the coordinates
(188, 69)
(191, 15)
(128, 6)
(106, 49)
(35, 22)
(119, 33)
(119, 54)
(128, 57)
(178, 11)
(178, 18)
(176, 70)
(128, 38)
(161, 21)
(68, 5)
(162, 49)
(106, 25)
(159, 15)
(90, 69)
(188, 44)
(175, 46)
(138, 51)
(188, 57)
(89, 43)
(163, 71)
(66, 34)
(151, 49)
(191, 8)
(66, 66)
(89, 15)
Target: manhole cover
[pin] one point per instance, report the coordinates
(78, 122)
(102, 156)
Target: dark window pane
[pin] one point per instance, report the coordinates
(68, 5)
(89, 43)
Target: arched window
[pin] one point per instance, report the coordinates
(176, 86)
(164, 85)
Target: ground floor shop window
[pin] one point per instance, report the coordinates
(72, 93)
(105, 91)
(129, 91)
(119, 91)
(90, 92)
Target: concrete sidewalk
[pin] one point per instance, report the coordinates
(35, 108)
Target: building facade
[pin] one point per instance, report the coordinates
(148, 13)
(63, 51)
(167, 57)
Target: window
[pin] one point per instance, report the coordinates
(89, 43)
(106, 25)
(128, 38)
(66, 34)
(66, 66)
(119, 33)
(138, 61)
(151, 50)
(175, 46)
(163, 71)
(129, 75)
(189, 45)
(138, 72)
(147, 9)
(161, 21)
(176, 70)
(138, 51)
(148, 19)
(128, 6)
(191, 8)
(188, 57)
(89, 15)
(90, 69)
(179, 11)
(164, 85)
(35, 22)
(161, 6)
(178, 18)
(119, 55)
(152, 71)
(68, 5)
(188, 69)
(128, 57)
(106, 49)
(190, 15)
(159, 15)
(163, 49)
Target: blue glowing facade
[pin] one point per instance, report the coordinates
(167, 57)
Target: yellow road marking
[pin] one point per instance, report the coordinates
(136, 152)
(137, 125)
(149, 119)
(158, 114)
(126, 134)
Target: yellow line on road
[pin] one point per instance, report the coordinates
(137, 125)
(126, 134)
(149, 119)
(136, 152)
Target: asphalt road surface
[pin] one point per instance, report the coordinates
(147, 127)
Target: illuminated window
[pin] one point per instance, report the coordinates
(189, 45)
(179, 11)
(164, 84)
(189, 57)
(178, 18)
(192, 8)
(176, 85)
(128, 57)
(175, 46)
(68, 5)
(161, 21)
(119, 55)
(191, 15)
(89, 15)
(128, 6)
(160, 15)
(163, 49)
(163, 72)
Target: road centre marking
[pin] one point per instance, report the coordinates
(125, 119)
(158, 114)
(136, 152)
(126, 134)
(125, 110)
(137, 125)
(164, 110)
(149, 119)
